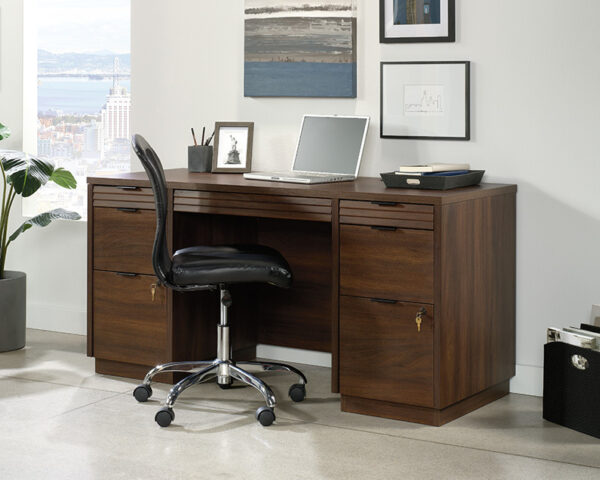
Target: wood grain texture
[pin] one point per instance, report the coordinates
(423, 415)
(335, 296)
(453, 249)
(123, 240)
(369, 189)
(395, 214)
(127, 196)
(383, 356)
(299, 317)
(90, 273)
(128, 326)
(394, 265)
(477, 297)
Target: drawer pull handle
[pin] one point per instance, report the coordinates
(128, 210)
(384, 229)
(128, 187)
(153, 291)
(419, 318)
(384, 204)
(384, 300)
(127, 274)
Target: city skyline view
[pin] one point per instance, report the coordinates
(84, 98)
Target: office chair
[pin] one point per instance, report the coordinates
(211, 268)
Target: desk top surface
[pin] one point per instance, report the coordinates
(363, 188)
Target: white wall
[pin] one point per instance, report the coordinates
(535, 122)
(535, 118)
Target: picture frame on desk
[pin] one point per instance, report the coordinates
(413, 21)
(233, 147)
(425, 100)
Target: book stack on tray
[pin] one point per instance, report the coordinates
(436, 176)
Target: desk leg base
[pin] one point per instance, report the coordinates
(424, 415)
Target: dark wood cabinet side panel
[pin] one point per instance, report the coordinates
(476, 314)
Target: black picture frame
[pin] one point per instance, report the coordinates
(385, 37)
(467, 102)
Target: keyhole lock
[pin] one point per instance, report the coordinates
(422, 311)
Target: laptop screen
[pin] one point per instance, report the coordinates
(331, 144)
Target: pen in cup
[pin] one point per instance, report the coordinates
(194, 137)
(209, 139)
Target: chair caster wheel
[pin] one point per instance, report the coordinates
(265, 416)
(142, 393)
(225, 386)
(297, 392)
(164, 416)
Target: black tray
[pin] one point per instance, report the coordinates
(432, 182)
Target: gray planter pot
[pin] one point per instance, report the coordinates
(12, 311)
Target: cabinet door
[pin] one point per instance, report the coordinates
(128, 325)
(391, 263)
(383, 355)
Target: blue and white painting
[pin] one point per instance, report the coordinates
(300, 48)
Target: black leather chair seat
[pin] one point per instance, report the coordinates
(228, 264)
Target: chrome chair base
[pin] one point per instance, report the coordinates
(224, 370)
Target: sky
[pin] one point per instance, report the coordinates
(83, 25)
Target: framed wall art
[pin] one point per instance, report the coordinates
(233, 147)
(300, 48)
(425, 100)
(416, 21)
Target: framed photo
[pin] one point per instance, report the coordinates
(425, 100)
(233, 147)
(403, 21)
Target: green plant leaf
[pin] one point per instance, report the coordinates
(4, 132)
(44, 219)
(24, 172)
(63, 178)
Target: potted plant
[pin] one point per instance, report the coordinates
(22, 175)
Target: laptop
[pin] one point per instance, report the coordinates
(329, 149)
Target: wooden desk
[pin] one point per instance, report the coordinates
(366, 261)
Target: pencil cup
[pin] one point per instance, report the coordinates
(200, 158)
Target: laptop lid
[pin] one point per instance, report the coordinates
(331, 144)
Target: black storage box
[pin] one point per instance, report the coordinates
(432, 182)
(572, 387)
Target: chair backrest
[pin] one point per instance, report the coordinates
(161, 260)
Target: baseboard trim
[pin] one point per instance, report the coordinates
(294, 355)
(56, 318)
(529, 380)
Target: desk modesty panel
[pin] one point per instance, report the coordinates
(411, 291)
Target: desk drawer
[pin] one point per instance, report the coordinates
(393, 263)
(123, 196)
(383, 356)
(251, 205)
(123, 240)
(128, 326)
(395, 214)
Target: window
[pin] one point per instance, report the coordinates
(84, 99)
